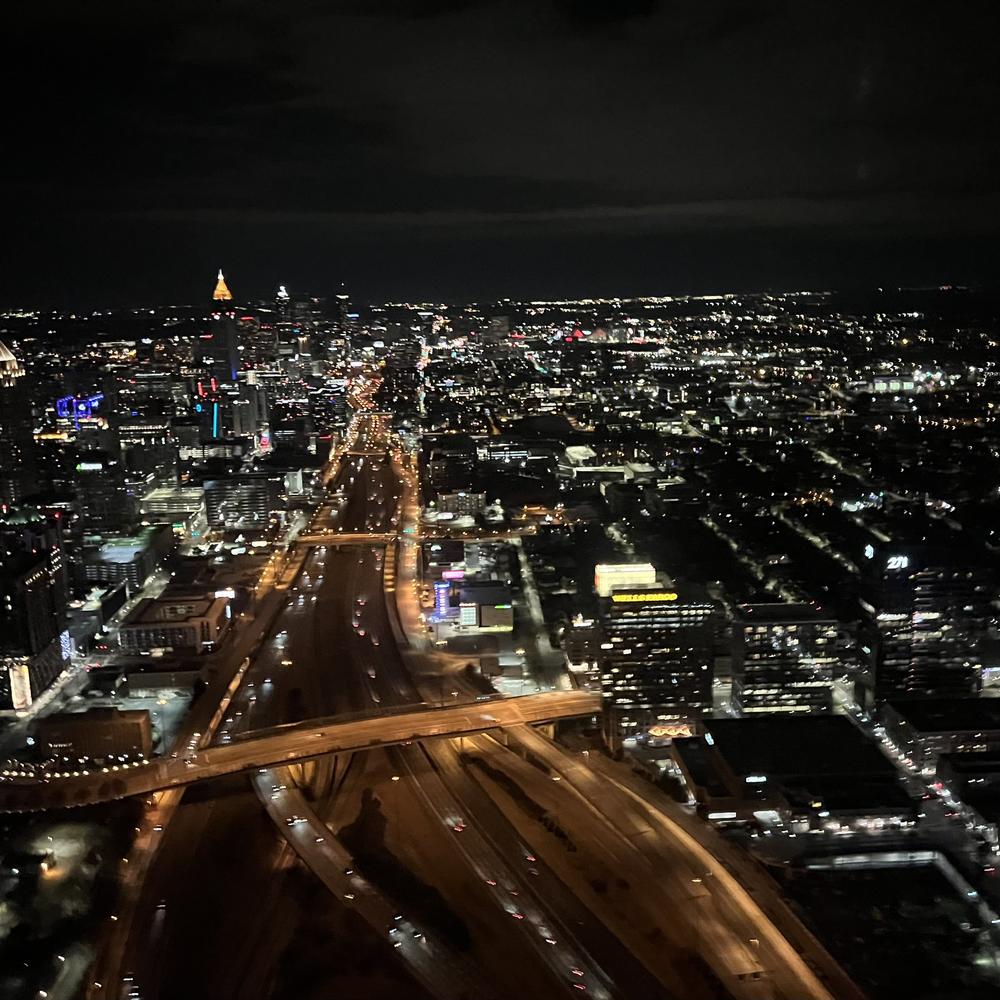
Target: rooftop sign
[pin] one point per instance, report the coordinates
(645, 597)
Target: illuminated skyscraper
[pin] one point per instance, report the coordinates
(927, 606)
(33, 596)
(658, 657)
(784, 657)
(222, 292)
(218, 350)
(16, 431)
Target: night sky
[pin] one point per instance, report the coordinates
(473, 149)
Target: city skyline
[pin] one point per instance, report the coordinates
(500, 498)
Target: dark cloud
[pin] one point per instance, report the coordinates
(314, 141)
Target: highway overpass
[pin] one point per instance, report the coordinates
(288, 744)
(346, 538)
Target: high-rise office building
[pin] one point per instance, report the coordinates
(658, 656)
(784, 656)
(149, 448)
(104, 503)
(17, 477)
(33, 597)
(218, 349)
(927, 606)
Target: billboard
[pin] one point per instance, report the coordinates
(644, 596)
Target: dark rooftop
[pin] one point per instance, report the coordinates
(986, 762)
(848, 793)
(797, 748)
(779, 612)
(948, 715)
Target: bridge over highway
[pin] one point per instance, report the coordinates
(346, 538)
(334, 537)
(287, 744)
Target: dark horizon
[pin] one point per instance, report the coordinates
(470, 150)
(191, 290)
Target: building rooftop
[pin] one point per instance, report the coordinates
(797, 748)
(488, 592)
(949, 715)
(985, 762)
(174, 608)
(779, 612)
(91, 715)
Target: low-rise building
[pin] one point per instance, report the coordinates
(98, 733)
(925, 728)
(487, 605)
(461, 503)
(177, 621)
(806, 773)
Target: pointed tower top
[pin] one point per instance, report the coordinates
(222, 292)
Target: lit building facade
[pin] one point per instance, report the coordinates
(33, 598)
(611, 576)
(218, 349)
(104, 503)
(17, 478)
(927, 607)
(657, 657)
(784, 657)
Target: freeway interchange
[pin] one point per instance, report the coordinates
(414, 848)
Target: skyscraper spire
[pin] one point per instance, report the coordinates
(222, 292)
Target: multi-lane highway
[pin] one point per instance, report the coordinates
(504, 901)
(329, 652)
(490, 901)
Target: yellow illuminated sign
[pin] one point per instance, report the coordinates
(646, 596)
(660, 731)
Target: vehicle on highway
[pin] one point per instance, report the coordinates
(295, 820)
